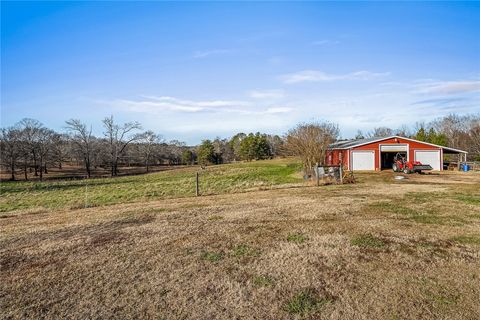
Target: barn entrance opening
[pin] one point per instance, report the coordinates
(388, 158)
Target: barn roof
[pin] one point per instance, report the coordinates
(348, 144)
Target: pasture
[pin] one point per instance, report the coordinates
(259, 244)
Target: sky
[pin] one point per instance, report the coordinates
(191, 71)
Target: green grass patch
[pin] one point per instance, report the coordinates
(468, 199)
(474, 239)
(262, 281)
(176, 183)
(212, 256)
(296, 238)
(305, 302)
(243, 250)
(367, 241)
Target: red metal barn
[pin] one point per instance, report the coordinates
(378, 153)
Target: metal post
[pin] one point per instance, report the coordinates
(197, 192)
(341, 174)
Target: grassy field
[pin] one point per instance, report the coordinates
(378, 249)
(173, 183)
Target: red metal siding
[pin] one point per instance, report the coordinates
(333, 156)
(412, 145)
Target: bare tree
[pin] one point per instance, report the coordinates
(148, 141)
(60, 150)
(380, 132)
(310, 142)
(359, 135)
(455, 127)
(44, 143)
(82, 140)
(10, 148)
(403, 131)
(119, 137)
(30, 129)
(474, 134)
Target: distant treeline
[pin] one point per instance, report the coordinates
(31, 148)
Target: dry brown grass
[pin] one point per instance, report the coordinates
(379, 249)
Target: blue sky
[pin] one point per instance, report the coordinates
(191, 71)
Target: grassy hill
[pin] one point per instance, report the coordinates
(175, 183)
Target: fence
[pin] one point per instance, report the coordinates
(335, 173)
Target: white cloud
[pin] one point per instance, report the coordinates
(208, 53)
(266, 94)
(449, 87)
(319, 76)
(157, 105)
(325, 42)
(278, 110)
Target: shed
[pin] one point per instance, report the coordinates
(378, 153)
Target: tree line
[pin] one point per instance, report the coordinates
(455, 131)
(29, 148)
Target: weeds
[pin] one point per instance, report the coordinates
(262, 281)
(244, 250)
(296, 238)
(306, 302)
(212, 256)
(367, 241)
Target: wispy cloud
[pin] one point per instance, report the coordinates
(449, 87)
(319, 76)
(154, 104)
(157, 105)
(325, 42)
(278, 110)
(266, 94)
(440, 101)
(208, 53)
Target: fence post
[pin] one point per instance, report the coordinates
(197, 193)
(341, 174)
(316, 175)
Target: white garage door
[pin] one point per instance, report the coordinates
(429, 157)
(363, 160)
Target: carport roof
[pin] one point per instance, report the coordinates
(348, 144)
